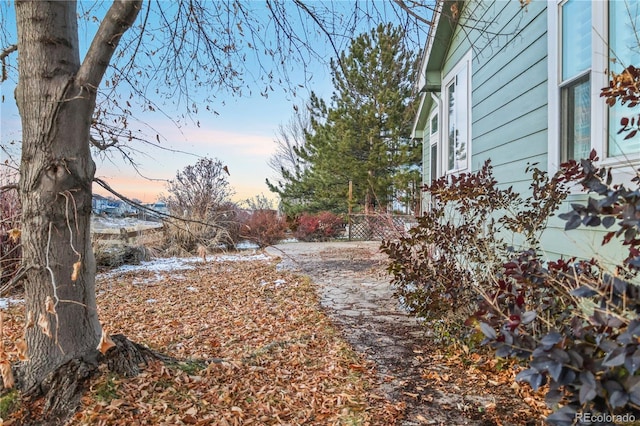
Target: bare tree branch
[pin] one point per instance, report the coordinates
(119, 18)
(6, 188)
(409, 10)
(315, 19)
(3, 55)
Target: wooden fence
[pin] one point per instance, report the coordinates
(125, 235)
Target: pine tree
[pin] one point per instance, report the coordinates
(362, 135)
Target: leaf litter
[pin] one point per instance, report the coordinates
(255, 348)
(253, 344)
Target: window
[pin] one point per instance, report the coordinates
(624, 50)
(587, 38)
(576, 119)
(575, 85)
(434, 136)
(457, 114)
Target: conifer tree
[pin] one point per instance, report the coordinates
(362, 134)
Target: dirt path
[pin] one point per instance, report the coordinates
(354, 290)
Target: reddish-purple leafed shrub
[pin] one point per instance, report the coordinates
(264, 227)
(319, 227)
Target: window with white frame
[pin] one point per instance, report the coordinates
(434, 137)
(624, 50)
(575, 85)
(456, 128)
(586, 39)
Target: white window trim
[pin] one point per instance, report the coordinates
(598, 80)
(443, 146)
(434, 139)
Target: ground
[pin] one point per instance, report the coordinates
(435, 384)
(261, 343)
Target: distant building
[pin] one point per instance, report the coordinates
(157, 210)
(101, 205)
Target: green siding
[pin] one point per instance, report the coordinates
(512, 133)
(583, 242)
(509, 108)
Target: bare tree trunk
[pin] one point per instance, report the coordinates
(56, 99)
(56, 172)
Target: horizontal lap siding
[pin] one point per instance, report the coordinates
(585, 243)
(510, 109)
(509, 97)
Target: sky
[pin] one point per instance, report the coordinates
(241, 134)
(241, 137)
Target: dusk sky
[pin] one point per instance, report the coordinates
(241, 135)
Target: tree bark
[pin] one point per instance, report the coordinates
(56, 97)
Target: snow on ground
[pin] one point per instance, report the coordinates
(5, 302)
(174, 264)
(162, 267)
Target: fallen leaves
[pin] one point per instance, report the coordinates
(8, 380)
(105, 342)
(256, 348)
(500, 395)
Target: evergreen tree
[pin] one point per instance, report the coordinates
(362, 135)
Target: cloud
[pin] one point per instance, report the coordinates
(245, 156)
(201, 139)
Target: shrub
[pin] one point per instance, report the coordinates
(463, 240)
(264, 227)
(572, 323)
(184, 237)
(322, 226)
(199, 196)
(575, 323)
(10, 252)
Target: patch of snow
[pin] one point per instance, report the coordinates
(175, 264)
(151, 300)
(169, 264)
(247, 245)
(240, 258)
(289, 240)
(5, 302)
(279, 282)
(191, 288)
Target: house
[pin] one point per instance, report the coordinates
(99, 203)
(111, 206)
(519, 82)
(154, 211)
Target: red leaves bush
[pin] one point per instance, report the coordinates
(264, 227)
(319, 227)
(574, 324)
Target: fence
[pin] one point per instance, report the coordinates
(367, 227)
(125, 235)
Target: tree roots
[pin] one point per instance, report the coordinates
(63, 388)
